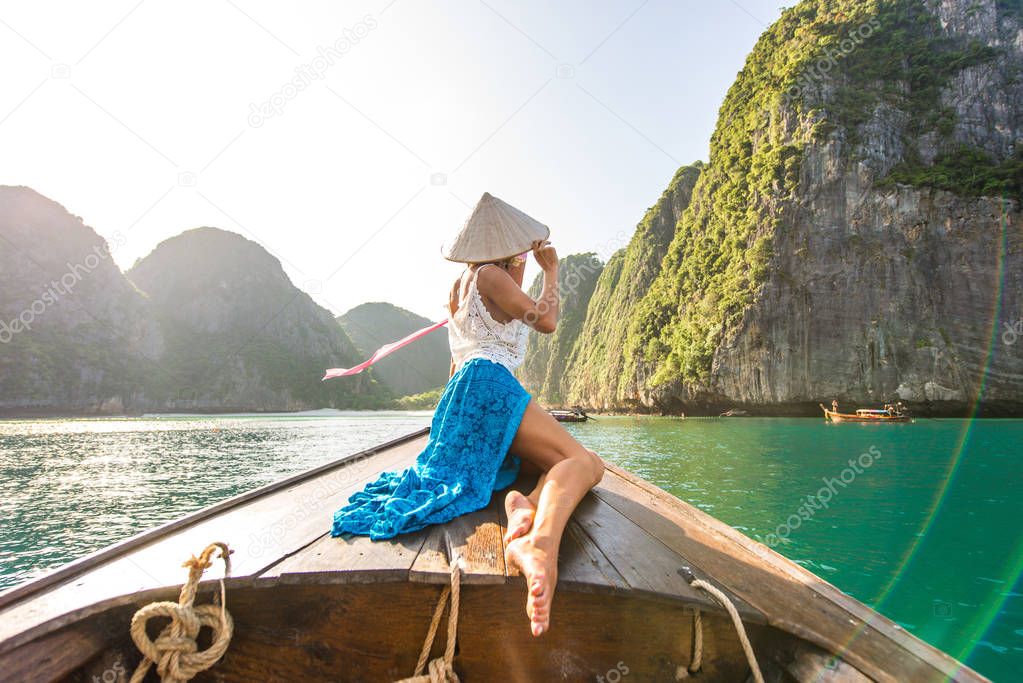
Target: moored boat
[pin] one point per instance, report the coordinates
(574, 415)
(306, 606)
(868, 415)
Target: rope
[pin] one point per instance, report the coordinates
(440, 669)
(175, 653)
(697, 659)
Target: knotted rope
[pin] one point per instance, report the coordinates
(440, 669)
(175, 653)
(697, 659)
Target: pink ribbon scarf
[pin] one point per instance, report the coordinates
(385, 350)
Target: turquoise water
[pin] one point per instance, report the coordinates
(928, 533)
(924, 524)
(69, 487)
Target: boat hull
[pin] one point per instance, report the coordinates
(878, 419)
(374, 632)
(567, 416)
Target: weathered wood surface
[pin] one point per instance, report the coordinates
(337, 560)
(474, 539)
(369, 632)
(794, 600)
(649, 566)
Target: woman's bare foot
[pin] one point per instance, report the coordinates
(520, 511)
(540, 568)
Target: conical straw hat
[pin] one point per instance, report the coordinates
(496, 230)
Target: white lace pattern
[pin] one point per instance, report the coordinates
(473, 333)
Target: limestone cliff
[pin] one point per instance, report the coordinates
(891, 272)
(855, 233)
(75, 335)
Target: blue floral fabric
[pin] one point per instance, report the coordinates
(465, 460)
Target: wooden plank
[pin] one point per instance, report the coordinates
(475, 538)
(792, 598)
(431, 565)
(649, 566)
(582, 565)
(260, 530)
(350, 559)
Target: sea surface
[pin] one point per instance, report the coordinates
(922, 521)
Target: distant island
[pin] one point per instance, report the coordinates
(208, 322)
(855, 235)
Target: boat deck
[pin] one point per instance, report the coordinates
(627, 537)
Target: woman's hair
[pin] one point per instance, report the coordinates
(503, 263)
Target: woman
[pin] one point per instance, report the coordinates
(485, 423)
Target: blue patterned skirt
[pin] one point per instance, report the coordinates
(465, 460)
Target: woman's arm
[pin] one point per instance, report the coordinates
(498, 286)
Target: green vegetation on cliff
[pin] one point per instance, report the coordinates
(595, 367)
(965, 171)
(426, 400)
(722, 246)
(903, 58)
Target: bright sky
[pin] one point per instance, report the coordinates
(151, 117)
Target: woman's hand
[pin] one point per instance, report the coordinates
(545, 255)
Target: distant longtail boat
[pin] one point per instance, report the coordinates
(865, 415)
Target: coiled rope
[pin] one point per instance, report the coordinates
(440, 669)
(175, 653)
(697, 659)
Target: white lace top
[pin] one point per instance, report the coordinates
(473, 332)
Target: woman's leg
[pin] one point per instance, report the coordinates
(571, 471)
